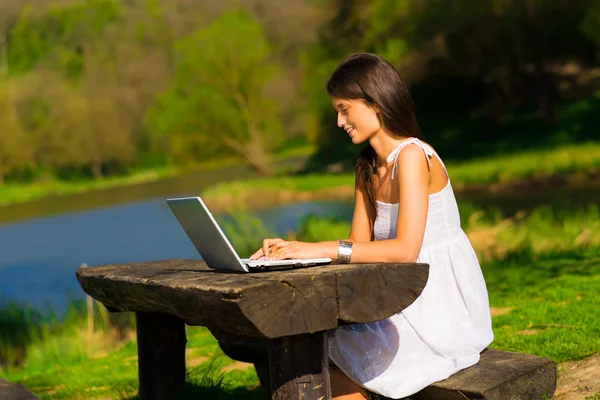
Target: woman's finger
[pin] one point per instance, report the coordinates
(259, 253)
(268, 243)
(282, 253)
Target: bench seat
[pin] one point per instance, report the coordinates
(499, 375)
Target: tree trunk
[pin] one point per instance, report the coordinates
(253, 150)
(97, 169)
(3, 51)
(253, 153)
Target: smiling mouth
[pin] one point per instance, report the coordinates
(349, 131)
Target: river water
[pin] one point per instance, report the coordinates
(43, 243)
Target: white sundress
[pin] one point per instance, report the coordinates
(443, 330)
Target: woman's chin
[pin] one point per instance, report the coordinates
(357, 139)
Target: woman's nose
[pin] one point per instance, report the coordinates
(341, 120)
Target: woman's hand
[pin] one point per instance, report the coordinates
(279, 249)
(264, 251)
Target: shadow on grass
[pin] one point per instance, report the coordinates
(207, 381)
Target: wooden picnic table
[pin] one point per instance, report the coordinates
(292, 309)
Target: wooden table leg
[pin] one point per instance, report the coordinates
(161, 355)
(299, 367)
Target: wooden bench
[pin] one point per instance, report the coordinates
(291, 311)
(499, 375)
(13, 391)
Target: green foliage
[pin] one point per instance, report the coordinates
(591, 21)
(221, 70)
(58, 35)
(455, 49)
(20, 327)
(313, 229)
(15, 143)
(208, 381)
(32, 337)
(103, 87)
(245, 231)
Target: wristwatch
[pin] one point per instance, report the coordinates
(344, 252)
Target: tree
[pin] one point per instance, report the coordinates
(217, 98)
(105, 134)
(16, 151)
(10, 10)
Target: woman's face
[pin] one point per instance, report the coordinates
(359, 119)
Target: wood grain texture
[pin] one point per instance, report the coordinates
(299, 367)
(499, 375)
(161, 343)
(14, 391)
(264, 304)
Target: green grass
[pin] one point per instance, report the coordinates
(544, 279)
(553, 303)
(115, 374)
(300, 183)
(13, 193)
(525, 165)
(572, 159)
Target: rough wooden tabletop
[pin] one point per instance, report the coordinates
(264, 304)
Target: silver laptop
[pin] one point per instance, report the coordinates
(214, 247)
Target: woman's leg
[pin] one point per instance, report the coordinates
(344, 388)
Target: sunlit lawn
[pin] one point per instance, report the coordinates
(580, 158)
(115, 374)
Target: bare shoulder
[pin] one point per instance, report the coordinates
(412, 156)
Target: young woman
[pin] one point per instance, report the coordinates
(405, 211)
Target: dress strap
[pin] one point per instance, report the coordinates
(394, 154)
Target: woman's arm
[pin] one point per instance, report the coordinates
(361, 230)
(413, 186)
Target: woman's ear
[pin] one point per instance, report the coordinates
(376, 108)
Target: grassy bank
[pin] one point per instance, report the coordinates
(13, 193)
(565, 165)
(542, 270)
(568, 164)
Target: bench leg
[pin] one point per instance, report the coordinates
(299, 367)
(161, 355)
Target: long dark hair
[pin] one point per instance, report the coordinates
(371, 78)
